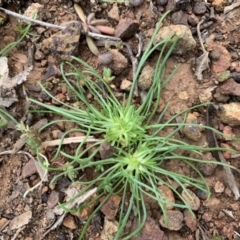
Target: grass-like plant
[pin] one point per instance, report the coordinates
(137, 165)
(9, 47)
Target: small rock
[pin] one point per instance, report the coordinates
(206, 95)
(228, 231)
(110, 229)
(34, 10)
(110, 208)
(53, 199)
(180, 17)
(56, 134)
(227, 154)
(146, 78)
(223, 76)
(230, 113)
(29, 169)
(193, 202)
(3, 221)
(105, 58)
(207, 169)
(228, 192)
(219, 5)
(192, 132)
(223, 63)
(136, 3)
(174, 220)
(120, 62)
(126, 28)
(207, 216)
(114, 12)
(162, 2)
(234, 206)
(150, 231)
(219, 187)
(183, 95)
(106, 150)
(168, 195)
(230, 87)
(161, 105)
(199, 8)
(190, 220)
(69, 222)
(125, 85)
(39, 55)
(201, 194)
(85, 213)
(184, 44)
(20, 220)
(212, 203)
(193, 20)
(220, 97)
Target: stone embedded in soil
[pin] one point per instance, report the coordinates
(199, 8)
(53, 199)
(219, 187)
(206, 95)
(201, 194)
(146, 78)
(69, 222)
(150, 231)
(207, 216)
(168, 195)
(192, 132)
(126, 28)
(184, 44)
(110, 229)
(110, 208)
(36, 10)
(174, 220)
(114, 12)
(180, 17)
(230, 87)
(125, 85)
(136, 3)
(193, 20)
(105, 58)
(106, 150)
(20, 220)
(39, 55)
(219, 5)
(85, 213)
(230, 113)
(120, 62)
(212, 203)
(223, 76)
(193, 201)
(161, 105)
(220, 97)
(190, 220)
(29, 169)
(223, 62)
(207, 169)
(183, 95)
(228, 231)
(161, 2)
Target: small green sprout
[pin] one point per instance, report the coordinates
(107, 75)
(32, 136)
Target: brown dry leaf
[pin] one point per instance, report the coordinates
(202, 64)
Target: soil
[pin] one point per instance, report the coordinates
(216, 218)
